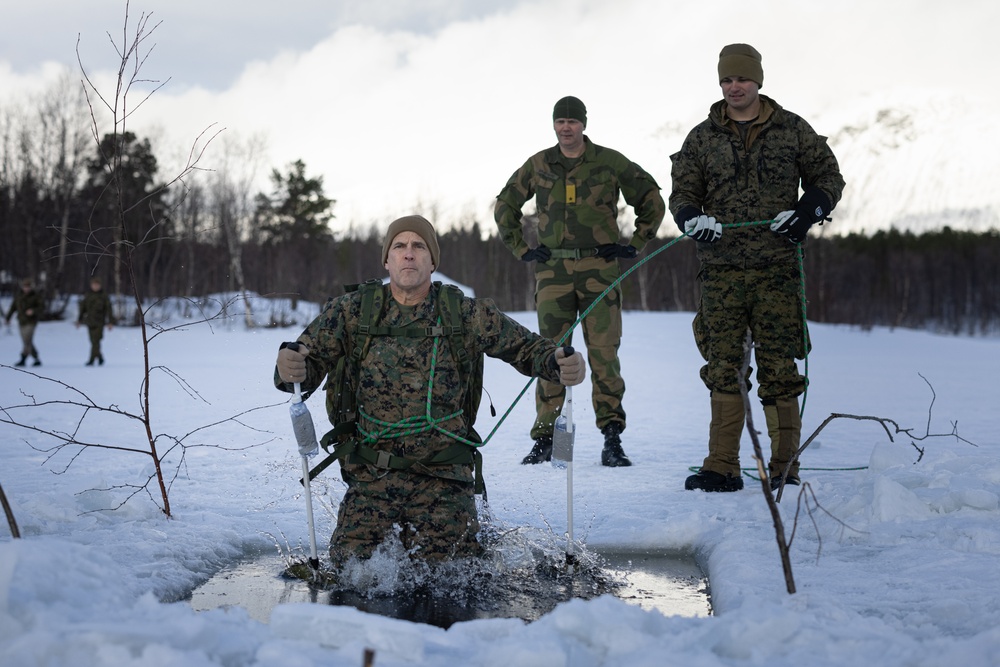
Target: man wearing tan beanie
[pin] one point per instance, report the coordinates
(751, 161)
(413, 350)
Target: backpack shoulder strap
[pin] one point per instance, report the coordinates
(372, 302)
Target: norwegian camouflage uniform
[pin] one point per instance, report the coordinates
(750, 277)
(577, 204)
(95, 312)
(433, 505)
(29, 306)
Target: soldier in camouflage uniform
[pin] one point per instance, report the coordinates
(432, 505)
(745, 163)
(95, 312)
(28, 305)
(576, 186)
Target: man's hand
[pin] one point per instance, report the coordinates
(703, 228)
(539, 254)
(813, 207)
(791, 226)
(610, 251)
(291, 362)
(572, 370)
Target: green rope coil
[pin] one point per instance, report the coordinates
(417, 423)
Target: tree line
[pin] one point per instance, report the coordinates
(61, 212)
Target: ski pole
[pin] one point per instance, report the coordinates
(305, 436)
(562, 457)
(570, 558)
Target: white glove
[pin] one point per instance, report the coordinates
(703, 228)
(780, 221)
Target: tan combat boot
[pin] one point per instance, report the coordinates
(721, 469)
(784, 426)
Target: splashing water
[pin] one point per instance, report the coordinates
(523, 573)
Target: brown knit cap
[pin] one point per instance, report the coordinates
(418, 225)
(741, 60)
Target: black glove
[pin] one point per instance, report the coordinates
(610, 251)
(539, 254)
(813, 207)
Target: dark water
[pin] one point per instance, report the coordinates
(513, 585)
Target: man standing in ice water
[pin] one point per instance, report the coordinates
(576, 185)
(401, 469)
(744, 164)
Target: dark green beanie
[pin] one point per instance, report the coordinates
(741, 60)
(570, 107)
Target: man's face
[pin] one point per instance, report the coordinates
(95, 287)
(740, 93)
(409, 261)
(570, 134)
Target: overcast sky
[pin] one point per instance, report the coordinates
(430, 105)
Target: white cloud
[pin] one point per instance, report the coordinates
(392, 117)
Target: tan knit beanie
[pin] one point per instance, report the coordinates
(741, 60)
(418, 225)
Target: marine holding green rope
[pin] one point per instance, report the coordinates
(413, 400)
(746, 163)
(576, 185)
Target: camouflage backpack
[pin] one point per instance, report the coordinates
(342, 384)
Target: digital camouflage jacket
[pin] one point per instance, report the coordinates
(577, 199)
(734, 182)
(396, 372)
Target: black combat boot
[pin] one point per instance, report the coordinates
(542, 451)
(708, 480)
(613, 455)
(38, 362)
(21, 363)
(792, 479)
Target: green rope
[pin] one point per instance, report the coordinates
(732, 225)
(417, 423)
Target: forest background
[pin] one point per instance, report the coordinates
(212, 231)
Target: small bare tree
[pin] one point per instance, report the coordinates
(81, 412)
(806, 495)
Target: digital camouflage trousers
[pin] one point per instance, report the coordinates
(436, 517)
(764, 301)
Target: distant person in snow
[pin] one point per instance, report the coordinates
(745, 164)
(28, 304)
(414, 353)
(576, 186)
(95, 313)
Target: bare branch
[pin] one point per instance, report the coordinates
(15, 533)
(779, 528)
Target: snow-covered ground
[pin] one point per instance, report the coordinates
(896, 565)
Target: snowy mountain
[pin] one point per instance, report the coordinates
(914, 167)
